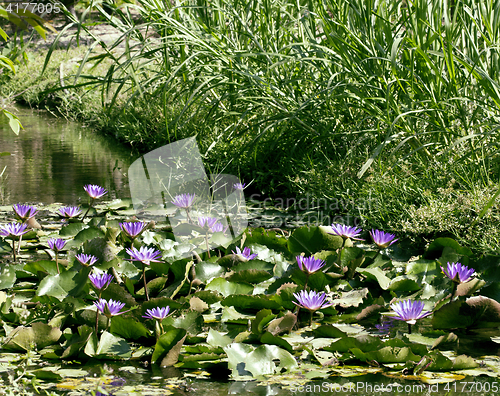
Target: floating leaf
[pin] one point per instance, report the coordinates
(310, 240)
(227, 288)
(254, 302)
(128, 328)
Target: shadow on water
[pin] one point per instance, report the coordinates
(52, 159)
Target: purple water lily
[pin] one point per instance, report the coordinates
(246, 253)
(14, 230)
(25, 212)
(239, 186)
(409, 311)
(382, 239)
(86, 259)
(133, 229)
(157, 313)
(184, 200)
(101, 281)
(56, 244)
(458, 273)
(70, 211)
(218, 227)
(311, 300)
(94, 191)
(109, 308)
(346, 232)
(205, 221)
(309, 264)
(145, 255)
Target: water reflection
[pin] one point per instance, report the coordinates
(53, 159)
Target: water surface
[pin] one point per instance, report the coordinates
(52, 159)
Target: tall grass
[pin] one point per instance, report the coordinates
(418, 78)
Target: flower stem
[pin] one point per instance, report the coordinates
(206, 241)
(57, 261)
(311, 319)
(339, 261)
(454, 291)
(13, 249)
(96, 322)
(145, 285)
(187, 214)
(409, 328)
(87, 212)
(19, 245)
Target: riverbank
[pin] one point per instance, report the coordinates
(302, 144)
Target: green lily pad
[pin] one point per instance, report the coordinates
(310, 240)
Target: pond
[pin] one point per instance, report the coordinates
(51, 159)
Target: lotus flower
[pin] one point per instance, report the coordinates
(70, 211)
(157, 313)
(109, 308)
(86, 259)
(94, 191)
(346, 232)
(25, 212)
(133, 229)
(101, 281)
(458, 273)
(246, 253)
(409, 311)
(184, 200)
(309, 264)
(382, 239)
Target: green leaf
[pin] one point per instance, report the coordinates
(403, 284)
(243, 359)
(109, 346)
(475, 312)
(253, 302)
(38, 336)
(227, 288)
(206, 271)
(310, 240)
(71, 229)
(64, 284)
(128, 328)
(376, 274)
(7, 277)
(250, 276)
(216, 339)
(169, 343)
(190, 321)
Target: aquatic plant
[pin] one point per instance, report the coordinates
(310, 264)
(13, 230)
(25, 212)
(94, 191)
(56, 244)
(382, 239)
(246, 253)
(101, 281)
(145, 256)
(312, 301)
(70, 212)
(239, 186)
(86, 259)
(158, 313)
(346, 232)
(409, 311)
(133, 229)
(458, 273)
(184, 201)
(206, 221)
